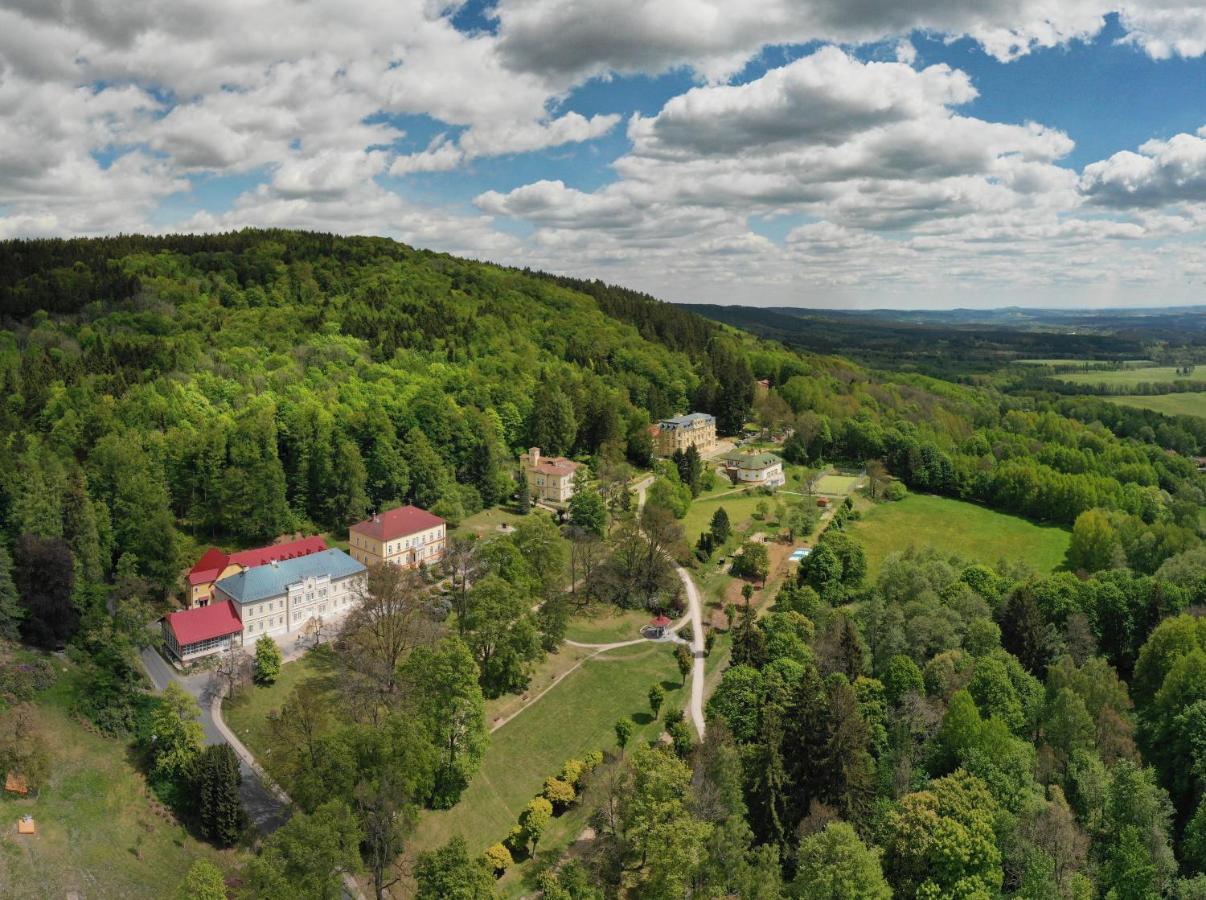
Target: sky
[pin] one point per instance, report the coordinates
(819, 153)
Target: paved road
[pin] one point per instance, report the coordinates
(265, 809)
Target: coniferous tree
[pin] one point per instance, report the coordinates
(11, 610)
(219, 807)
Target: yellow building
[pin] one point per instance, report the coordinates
(681, 432)
(406, 536)
(550, 478)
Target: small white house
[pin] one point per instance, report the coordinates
(756, 469)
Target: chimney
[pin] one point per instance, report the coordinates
(534, 456)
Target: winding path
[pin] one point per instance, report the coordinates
(695, 616)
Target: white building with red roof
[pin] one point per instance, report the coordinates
(550, 478)
(193, 633)
(215, 564)
(406, 536)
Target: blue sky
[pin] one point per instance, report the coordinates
(813, 152)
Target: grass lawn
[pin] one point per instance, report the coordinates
(485, 523)
(973, 532)
(98, 832)
(575, 717)
(247, 713)
(1129, 377)
(1188, 404)
(740, 507)
(836, 485)
(607, 624)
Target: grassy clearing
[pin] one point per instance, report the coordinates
(836, 485)
(606, 624)
(1129, 377)
(973, 532)
(739, 505)
(485, 523)
(99, 834)
(1082, 362)
(574, 718)
(1170, 404)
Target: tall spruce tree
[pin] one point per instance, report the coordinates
(220, 810)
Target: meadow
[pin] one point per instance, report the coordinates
(975, 533)
(1130, 377)
(572, 719)
(1186, 404)
(99, 832)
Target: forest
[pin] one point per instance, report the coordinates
(942, 730)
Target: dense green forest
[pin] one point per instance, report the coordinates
(946, 730)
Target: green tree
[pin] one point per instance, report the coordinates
(623, 729)
(203, 881)
(902, 677)
(308, 856)
(835, 865)
(551, 423)
(657, 696)
(720, 527)
(502, 634)
(753, 561)
(1095, 544)
(216, 784)
(427, 471)
(535, 818)
(11, 610)
(449, 873)
(545, 551)
(586, 507)
(268, 661)
(444, 682)
(176, 735)
(685, 660)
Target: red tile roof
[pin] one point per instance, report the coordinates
(208, 567)
(557, 466)
(205, 622)
(211, 564)
(395, 523)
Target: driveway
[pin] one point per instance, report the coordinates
(266, 809)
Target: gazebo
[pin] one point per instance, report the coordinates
(658, 627)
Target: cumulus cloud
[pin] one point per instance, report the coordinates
(717, 36)
(1161, 173)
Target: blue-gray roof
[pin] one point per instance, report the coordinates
(262, 582)
(688, 419)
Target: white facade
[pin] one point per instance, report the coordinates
(315, 597)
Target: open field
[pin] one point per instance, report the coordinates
(606, 624)
(98, 832)
(836, 485)
(1136, 363)
(485, 523)
(1188, 404)
(574, 718)
(739, 506)
(973, 532)
(1130, 377)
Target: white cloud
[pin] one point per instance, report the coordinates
(716, 37)
(1161, 173)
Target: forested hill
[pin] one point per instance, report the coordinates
(245, 384)
(164, 392)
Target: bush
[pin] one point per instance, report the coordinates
(573, 771)
(498, 859)
(516, 840)
(559, 792)
(592, 760)
(895, 491)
